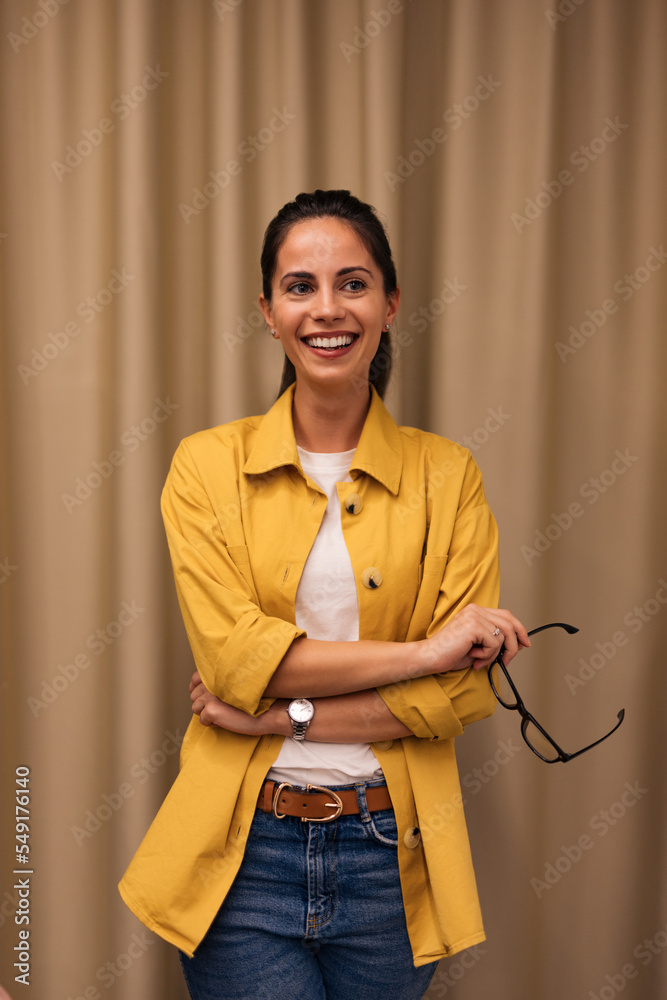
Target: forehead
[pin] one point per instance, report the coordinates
(322, 243)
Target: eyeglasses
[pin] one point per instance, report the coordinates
(533, 733)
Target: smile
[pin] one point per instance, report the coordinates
(330, 343)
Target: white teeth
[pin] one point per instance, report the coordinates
(341, 341)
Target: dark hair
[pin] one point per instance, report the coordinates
(363, 220)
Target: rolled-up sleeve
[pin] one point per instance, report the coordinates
(236, 646)
(439, 706)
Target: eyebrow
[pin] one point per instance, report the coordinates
(309, 276)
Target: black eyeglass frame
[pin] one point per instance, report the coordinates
(527, 717)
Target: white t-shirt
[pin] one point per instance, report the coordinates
(327, 608)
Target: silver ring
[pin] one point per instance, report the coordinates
(496, 631)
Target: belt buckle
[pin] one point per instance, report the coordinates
(337, 805)
(276, 792)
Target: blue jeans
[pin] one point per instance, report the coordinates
(315, 913)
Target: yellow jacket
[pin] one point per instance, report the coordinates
(241, 517)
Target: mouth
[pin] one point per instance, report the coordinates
(332, 345)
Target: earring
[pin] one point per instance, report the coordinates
(387, 327)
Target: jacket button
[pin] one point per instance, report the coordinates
(353, 503)
(411, 837)
(383, 744)
(371, 577)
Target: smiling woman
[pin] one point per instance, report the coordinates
(338, 580)
(329, 314)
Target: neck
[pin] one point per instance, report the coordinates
(328, 422)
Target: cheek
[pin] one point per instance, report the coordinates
(373, 338)
(289, 316)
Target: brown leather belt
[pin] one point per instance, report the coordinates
(317, 804)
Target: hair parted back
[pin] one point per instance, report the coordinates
(343, 205)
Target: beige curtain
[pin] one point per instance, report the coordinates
(516, 151)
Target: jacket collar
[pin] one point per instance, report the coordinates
(378, 452)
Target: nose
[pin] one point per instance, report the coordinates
(326, 306)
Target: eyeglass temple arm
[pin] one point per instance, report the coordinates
(620, 717)
(570, 629)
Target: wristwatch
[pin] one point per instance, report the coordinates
(301, 712)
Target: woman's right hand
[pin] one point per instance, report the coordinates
(468, 640)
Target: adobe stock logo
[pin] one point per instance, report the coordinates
(223, 7)
(601, 824)
(131, 439)
(60, 339)
(606, 650)
(565, 9)
(247, 151)
(581, 158)
(591, 490)
(31, 26)
(6, 569)
(98, 642)
(453, 116)
(121, 107)
(378, 20)
(645, 951)
(624, 288)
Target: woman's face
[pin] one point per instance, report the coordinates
(329, 306)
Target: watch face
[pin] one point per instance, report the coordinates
(301, 710)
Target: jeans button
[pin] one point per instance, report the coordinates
(371, 578)
(411, 837)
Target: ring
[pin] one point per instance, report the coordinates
(496, 631)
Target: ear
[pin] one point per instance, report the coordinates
(393, 300)
(267, 311)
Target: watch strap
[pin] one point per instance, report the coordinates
(299, 729)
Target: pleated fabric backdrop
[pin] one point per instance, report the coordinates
(516, 152)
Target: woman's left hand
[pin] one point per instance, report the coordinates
(213, 712)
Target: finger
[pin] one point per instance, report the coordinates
(195, 679)
(209, 715)
(517, 627)
(204, 717)
(197, 704)
(494, 634)
(515, 635)
(202, 696)
(520, 639)
(483, 656)
(491, 622)
(510, 642)
(198, 692)
(522, 634)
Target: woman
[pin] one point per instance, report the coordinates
(338, 579)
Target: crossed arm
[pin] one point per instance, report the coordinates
(342, 677)
(355, 685)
